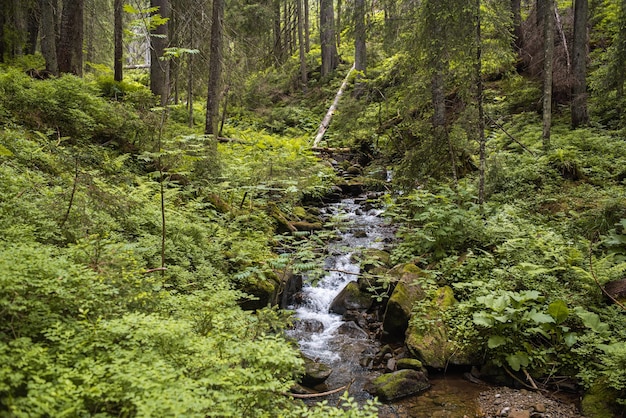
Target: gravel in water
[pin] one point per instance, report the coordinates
(512, 403)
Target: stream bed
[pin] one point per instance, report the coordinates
(325, 337)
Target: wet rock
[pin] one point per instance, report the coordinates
(360, 233)
(398, 384)
(264, 292)
(352, 330)
(431, 344)
(292, 285)
(309, 326)
(350, 298)
(314, 372)
(352, 188)
(391, 364)
(354, 170)
(406, 292)
(617, 289)
(409, 363)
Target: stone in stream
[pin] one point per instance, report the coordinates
(309, 326)
(351, 298)
(352, 330)
(398, 384)
(406, 292)
(314, 372)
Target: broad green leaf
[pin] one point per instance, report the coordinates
(570, 338)
(558, 310)
(496, 341)
(481, 318)
(592, 321)
(540, 318)
(517, 360)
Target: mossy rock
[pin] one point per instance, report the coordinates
(598, 402)
(431, 343)
(409, 364)
(398, 312)
(314, 372)
(398, 384)
(351, 298)
(264, 292)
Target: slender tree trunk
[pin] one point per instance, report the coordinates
(518, 36)
(620, 59)
(307, 27)
(48, 35)
(437, 91)
(159, 69)
(70, 46)
(360, 54)
(303, 71)
(278, 43)
(579, 64)
(330, 59)
(548, 56)
(118, 31)
(215, 69)
(479, 101)
(339, 11)
(34, 16)
(90, 24)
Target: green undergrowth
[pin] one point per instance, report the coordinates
(527, 266)
(125, 243)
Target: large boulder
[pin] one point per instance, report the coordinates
(429, 341)
(262, 292)
(314, 372)
(398, 384)
(405, 293)
(351, 298)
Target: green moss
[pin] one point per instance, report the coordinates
(597, 402)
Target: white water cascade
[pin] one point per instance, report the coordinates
(321, 339)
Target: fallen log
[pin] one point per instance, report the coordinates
(314, 395)
(329, 115)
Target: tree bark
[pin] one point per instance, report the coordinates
(518, 36)
(579, 64)
(70, 46)
(437, 91)
(307, 26)
(215, 68)
(278, 44)
(303, 71)
(34, 16)
(117, 40)
(49, 36)
(360, 53)
(159, 69)
(548, 55)
(481, 113)
(330, 58)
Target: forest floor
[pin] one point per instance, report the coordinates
(514, 403)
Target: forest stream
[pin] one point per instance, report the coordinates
(344, 346)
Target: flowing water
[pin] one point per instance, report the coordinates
(324, 340)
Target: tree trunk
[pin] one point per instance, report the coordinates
(339, 11)
(278, 43)
(548, 55)
(579, 64)
(481, 113)
(48, 35)
(118, 40)
(215, 69)
(360, 55)
(34, 17)
(620, 59)
(518, 36)
(159, 69)
(3, 16)
(330, 59)
(70, 46)
(303, 71)
(307, 26)
(437, 91)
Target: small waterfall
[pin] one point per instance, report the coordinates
(361, 228)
